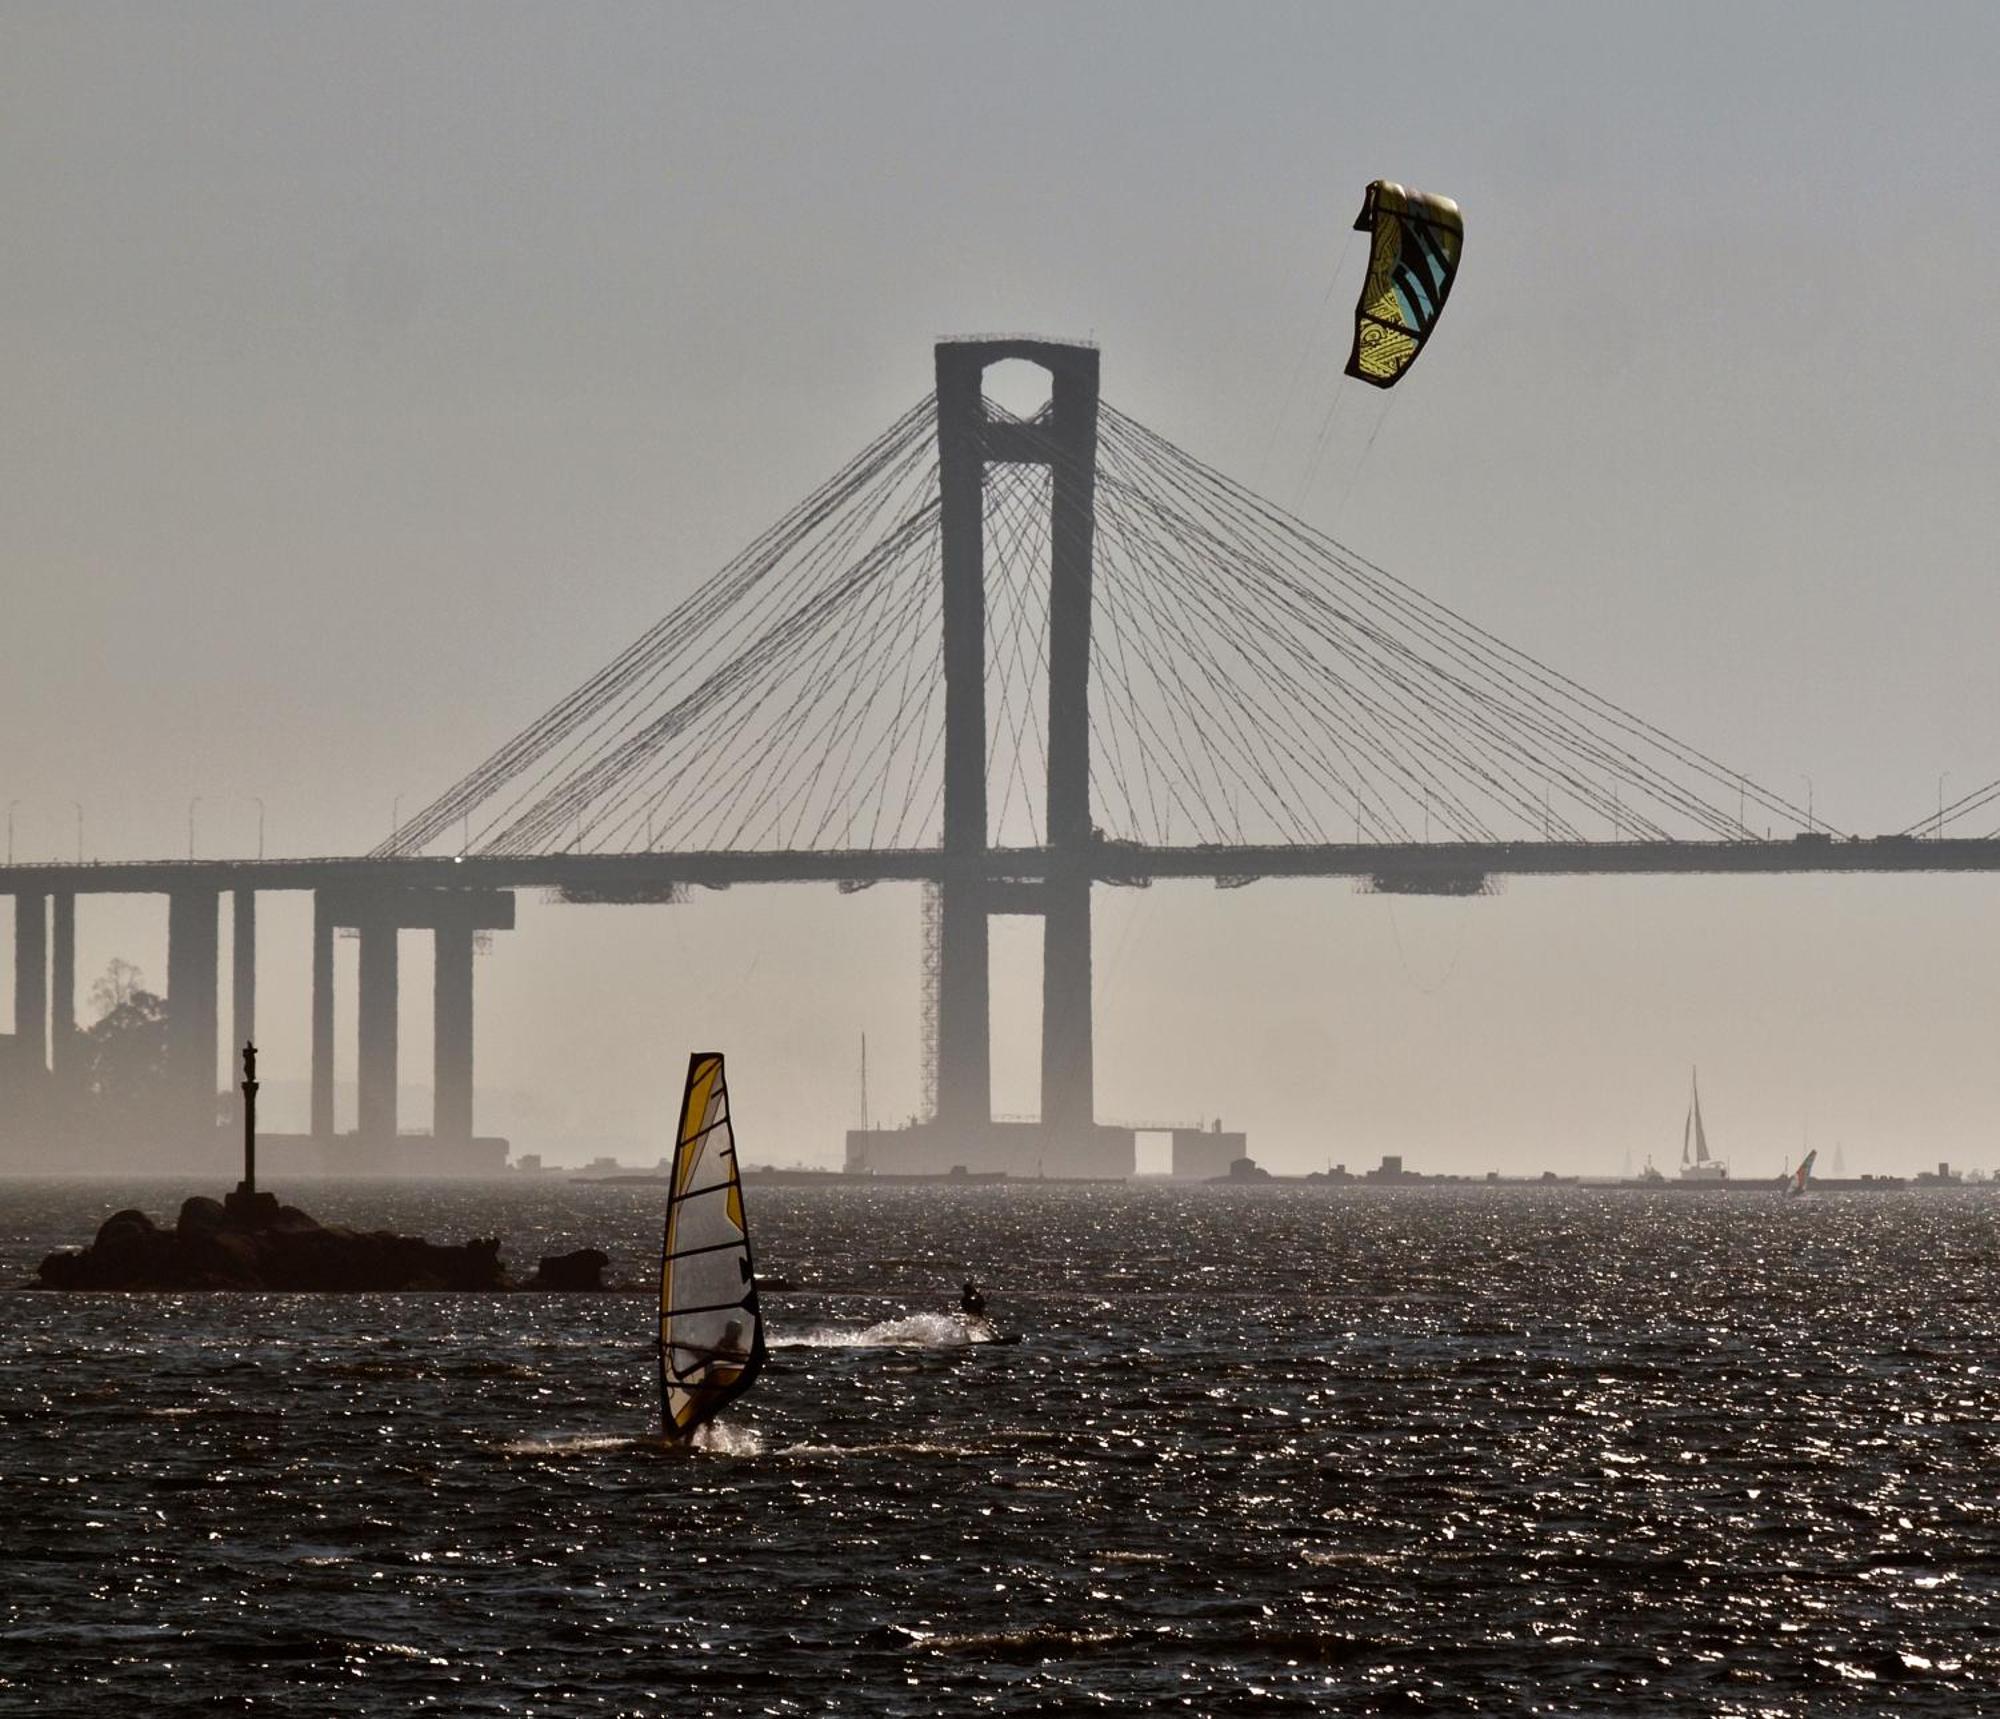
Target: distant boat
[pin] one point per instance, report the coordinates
(1696, 1164)
(1797, 1182)
(711, 1333)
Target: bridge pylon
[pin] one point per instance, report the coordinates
(974, 887)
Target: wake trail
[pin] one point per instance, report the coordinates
(911, 1331)
(715, 1438)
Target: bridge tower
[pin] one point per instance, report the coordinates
(975, 886)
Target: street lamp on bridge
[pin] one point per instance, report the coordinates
(1803, 777)
(1944, 776)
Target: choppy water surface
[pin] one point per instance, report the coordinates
(1260, 1450)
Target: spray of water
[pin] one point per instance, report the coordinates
(912, 1331)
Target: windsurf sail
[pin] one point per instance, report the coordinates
(711, 1333)
(1412, 261)
(1803, 1174)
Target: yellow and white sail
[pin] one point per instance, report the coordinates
(711, 1334)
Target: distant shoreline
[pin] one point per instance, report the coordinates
(805, 1178)
(997, 1178)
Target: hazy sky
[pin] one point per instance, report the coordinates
(369, 374)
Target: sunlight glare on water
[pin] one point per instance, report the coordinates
(1282, 1449)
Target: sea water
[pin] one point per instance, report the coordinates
(1276, 1449)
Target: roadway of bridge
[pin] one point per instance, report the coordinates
(1445, 867)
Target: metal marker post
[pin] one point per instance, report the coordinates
(249, 1189)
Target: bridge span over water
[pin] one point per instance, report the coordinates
(1009, 658)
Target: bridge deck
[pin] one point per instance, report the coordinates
(1413, 864)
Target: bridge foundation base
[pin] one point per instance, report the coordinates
(281, 1158)
(1029, 1150)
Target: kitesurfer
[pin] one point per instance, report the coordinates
(970, 1302)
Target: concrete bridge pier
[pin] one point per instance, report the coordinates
(375, 1043)
(65, 1042)
(451, 1031)
(243, 967)
(1068, 1058)
(320, 1114)
(193, 1029)
(41, 1066)
(454, 917)
(27, 1059)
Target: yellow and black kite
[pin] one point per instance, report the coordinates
(1411, 265)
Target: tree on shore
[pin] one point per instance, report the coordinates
(125, 1048)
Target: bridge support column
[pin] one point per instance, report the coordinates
(964, 1011)
(1068, 1056)
(31, 980)
(65, 1043)
(1064, 438)
(1068, 1059)
(192, 924)
(964, 1021)
(375, 1049)
(243, 966)
(322, 1016)
(454, 917)
(451, 1117)
(31, 985)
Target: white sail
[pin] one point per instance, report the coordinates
(711, 1333)
(1698, 1164)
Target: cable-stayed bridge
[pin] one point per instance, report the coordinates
(1011, 658)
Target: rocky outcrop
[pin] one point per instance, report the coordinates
(582, 1270)
(267, 1246)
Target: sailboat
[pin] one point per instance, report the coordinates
(1696, 1164)
(711, 1333)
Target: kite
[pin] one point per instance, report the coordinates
(1411, 265)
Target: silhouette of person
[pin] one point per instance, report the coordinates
(970, 1301)
(723, 1364)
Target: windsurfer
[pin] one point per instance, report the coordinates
(725, 1361)
(711, 1336)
